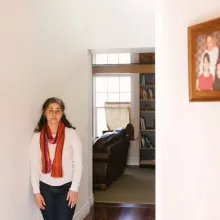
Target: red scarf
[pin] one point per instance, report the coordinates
(46, 137)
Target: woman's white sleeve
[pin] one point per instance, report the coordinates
(77, 162)
(35, 164)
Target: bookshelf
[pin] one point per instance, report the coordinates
(147, 119)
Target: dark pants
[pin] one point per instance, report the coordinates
(56, 204)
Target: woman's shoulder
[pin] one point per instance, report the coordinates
(35, 139)
(71, 134)
(70, 131)
(35, 136)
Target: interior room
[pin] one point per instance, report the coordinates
(124, 127)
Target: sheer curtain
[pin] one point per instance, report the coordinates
(117, 114)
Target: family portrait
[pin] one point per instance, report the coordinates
(204, 61)
(208, 62)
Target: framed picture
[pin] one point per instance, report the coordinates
(204, 61)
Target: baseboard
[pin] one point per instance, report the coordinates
(84, 211)
(91, 200)
(133, 161)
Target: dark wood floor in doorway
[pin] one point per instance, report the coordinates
(117, 211)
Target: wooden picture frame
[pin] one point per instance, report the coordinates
(203, 61)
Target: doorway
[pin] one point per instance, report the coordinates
(120, 78)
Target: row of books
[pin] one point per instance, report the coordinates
(145, 142)
(146, 93)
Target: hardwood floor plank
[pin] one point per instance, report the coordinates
(128, 205)
(103, 211)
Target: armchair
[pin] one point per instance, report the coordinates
(110, 153)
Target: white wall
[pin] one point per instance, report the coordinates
(44, 52)
(120, 24)
(187, 136)
(18, 111)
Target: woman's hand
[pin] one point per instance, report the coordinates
(39, 201)
(72, 196)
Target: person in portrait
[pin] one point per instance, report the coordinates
(216, 84)
(205, 80)
(213, 52)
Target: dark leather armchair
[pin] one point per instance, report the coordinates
(110, 153)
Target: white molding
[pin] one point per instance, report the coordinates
(123, 50)
(84, 211)
(133, 161)
(91, 200)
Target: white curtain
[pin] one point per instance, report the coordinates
(117, 114)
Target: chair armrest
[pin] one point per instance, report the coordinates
(102, 157)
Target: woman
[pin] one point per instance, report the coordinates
(205, 80)
(216, 84)
(56, 163)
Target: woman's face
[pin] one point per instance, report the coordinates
(206, 64)
(53, 113)
(218, 70)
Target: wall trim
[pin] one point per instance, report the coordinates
(123, 68)
(133, 161)
(84, 211)
(91, 200)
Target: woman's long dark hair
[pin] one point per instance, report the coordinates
(43, 119)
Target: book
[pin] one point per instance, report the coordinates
(142, 123)
(143, 80)
(143, 144)
(148, 143)
(145, 94)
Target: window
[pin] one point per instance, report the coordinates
(112, 58)
(114, 88)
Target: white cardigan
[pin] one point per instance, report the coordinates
(71, 162)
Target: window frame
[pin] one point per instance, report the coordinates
(95, 124)
(107, 59)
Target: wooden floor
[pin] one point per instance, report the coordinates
(116, 211)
